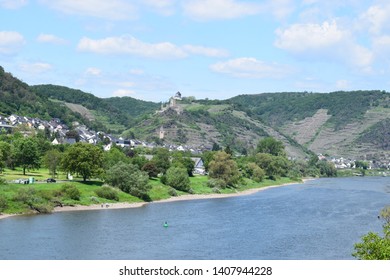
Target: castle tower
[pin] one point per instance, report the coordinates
(161, 132)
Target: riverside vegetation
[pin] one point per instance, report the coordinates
(125, 175)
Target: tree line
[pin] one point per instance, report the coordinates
(129, 170)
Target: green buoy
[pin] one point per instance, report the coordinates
(165, 224)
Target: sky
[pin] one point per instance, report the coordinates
(216, 49)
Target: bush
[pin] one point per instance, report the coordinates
(94, 199)
(128, 178)
(107, 193)
(216, 184)
(43, 207)
(172, 192)
(3, 181)
(177, 178)
(216, 190)
(71, 191)
(163, 179)
(33, 200)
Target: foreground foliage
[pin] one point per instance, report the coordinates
(374, 246)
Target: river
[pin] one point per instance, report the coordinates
(320, 219)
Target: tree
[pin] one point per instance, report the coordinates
(27, 153)
(162, 159)
(362, 164)
(177, 178)
(7, 152)
(84, 159)
(271, 146)
(150, 168)
(327, 168)
(128, 178)
(207, 157)
(224, 168)
(216, 147)
(255, 172)
(182, 161)
(113, 156)
(228, 150)
(52, 160)
(373, 246)
(274, 166)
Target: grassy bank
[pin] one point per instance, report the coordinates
(43, 197)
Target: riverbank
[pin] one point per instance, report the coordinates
(124, 205)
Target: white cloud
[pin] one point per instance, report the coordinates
(49, 38)
(342, 84)
(323, 42)
(137, 72)
(131, 45)
(93, 71)
(123, 92)
(112, 9)
(220, 9)
(10, 42)
(306, 37)
(280, 8)
(35, 68)
(248, 67)
(201, 50)
(164, 7)
(13, 4)
(126, 84)
(377, 18)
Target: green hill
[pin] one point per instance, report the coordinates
(113, 114)
(16, 97)
(350, 124)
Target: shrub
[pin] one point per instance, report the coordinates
(163, 179)
(43, 207)
(216, 184)
(216, 190)
(3, 181)
(107, 193)
(71, 191)
(128, 178)
(177, 178)
(172, 192)
(94, 199)
(33, 200)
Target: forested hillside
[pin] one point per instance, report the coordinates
(350, 124)
(278, 108)
(16, 97)
(111, 112)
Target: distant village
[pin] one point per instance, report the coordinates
(84, 134)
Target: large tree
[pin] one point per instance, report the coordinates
(83, 159)
(27, 153)
(129, 179)
(52, 161)
(177, 178)
(161, 158)
(271, 146)
(222, 167)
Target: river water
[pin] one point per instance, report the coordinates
(320, 219)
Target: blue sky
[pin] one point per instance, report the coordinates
(216, 49)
